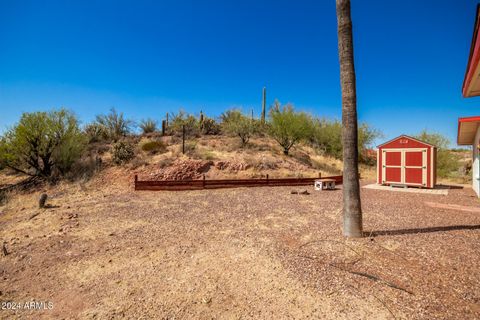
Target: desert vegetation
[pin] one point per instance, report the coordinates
(43, 144)
(448, 161)
(51, 145)
(92, 226)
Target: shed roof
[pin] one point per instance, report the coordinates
(467, 129)
(404, 136)
(471, 82)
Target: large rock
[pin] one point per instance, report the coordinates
(183, 170)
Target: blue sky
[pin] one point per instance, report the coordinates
(149, 57)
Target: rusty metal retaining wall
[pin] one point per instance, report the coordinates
(225, 183)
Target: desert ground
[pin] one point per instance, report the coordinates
(104, 251)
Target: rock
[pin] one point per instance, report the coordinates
(293, 192)
(231, 165)
(183, 170)
(4, 249)
(305, 192)
(42, 201)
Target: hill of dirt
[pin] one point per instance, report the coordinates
(223, 157)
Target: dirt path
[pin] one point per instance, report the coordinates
(239, 253)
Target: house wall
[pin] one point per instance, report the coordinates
(476, 164)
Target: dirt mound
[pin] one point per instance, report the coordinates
(183, 170)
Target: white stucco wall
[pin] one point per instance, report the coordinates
(476, 164)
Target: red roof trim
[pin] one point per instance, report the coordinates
(463, 120)
(474, 56)
(408, 137)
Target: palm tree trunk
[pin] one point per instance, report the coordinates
(352, 210)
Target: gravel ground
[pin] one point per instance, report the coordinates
(109, 252)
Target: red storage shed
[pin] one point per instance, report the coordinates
(407, 161)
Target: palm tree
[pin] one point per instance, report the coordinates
(352, 209)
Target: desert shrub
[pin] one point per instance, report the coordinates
(85, 167)
(148, 125)
(190, 147)
(303, 158)
(210, 127)
(327, 137)
(366, 137)
(203, 154)
(235, 123)
(154, 147)
(114, 125)
(95, 132)
(181, 119)
(137, 162)
(122, 152)
(448, 163)
(289, 127)
(43, 143)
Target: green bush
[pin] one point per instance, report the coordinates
(289, 127)
(235, 123)
(95, 132)
(148, 125)
(210, 127)
(154, 147)
(327, 136)
(181, 119)
(43, 143)
(448, 162)
(114, 125)
(122, 152)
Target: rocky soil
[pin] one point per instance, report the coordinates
(104, 251)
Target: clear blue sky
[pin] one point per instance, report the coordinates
(149, 57)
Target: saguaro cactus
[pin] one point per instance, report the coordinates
(164, 126)
(166, 122)
(201, 120)
(264, 103)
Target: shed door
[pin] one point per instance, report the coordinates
(405, 166)
(416, 167)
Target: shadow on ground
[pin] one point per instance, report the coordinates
(420, 230)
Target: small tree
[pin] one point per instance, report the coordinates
(191, 123)
(95, 132)
(366, 137)
(42, 142)
(327, 136)
(447, 161)
(289, 127)
(235, 123)
(210, 126)
(114, 124)
(148, 125)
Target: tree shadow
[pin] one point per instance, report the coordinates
(50, 206)
(419, 230)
